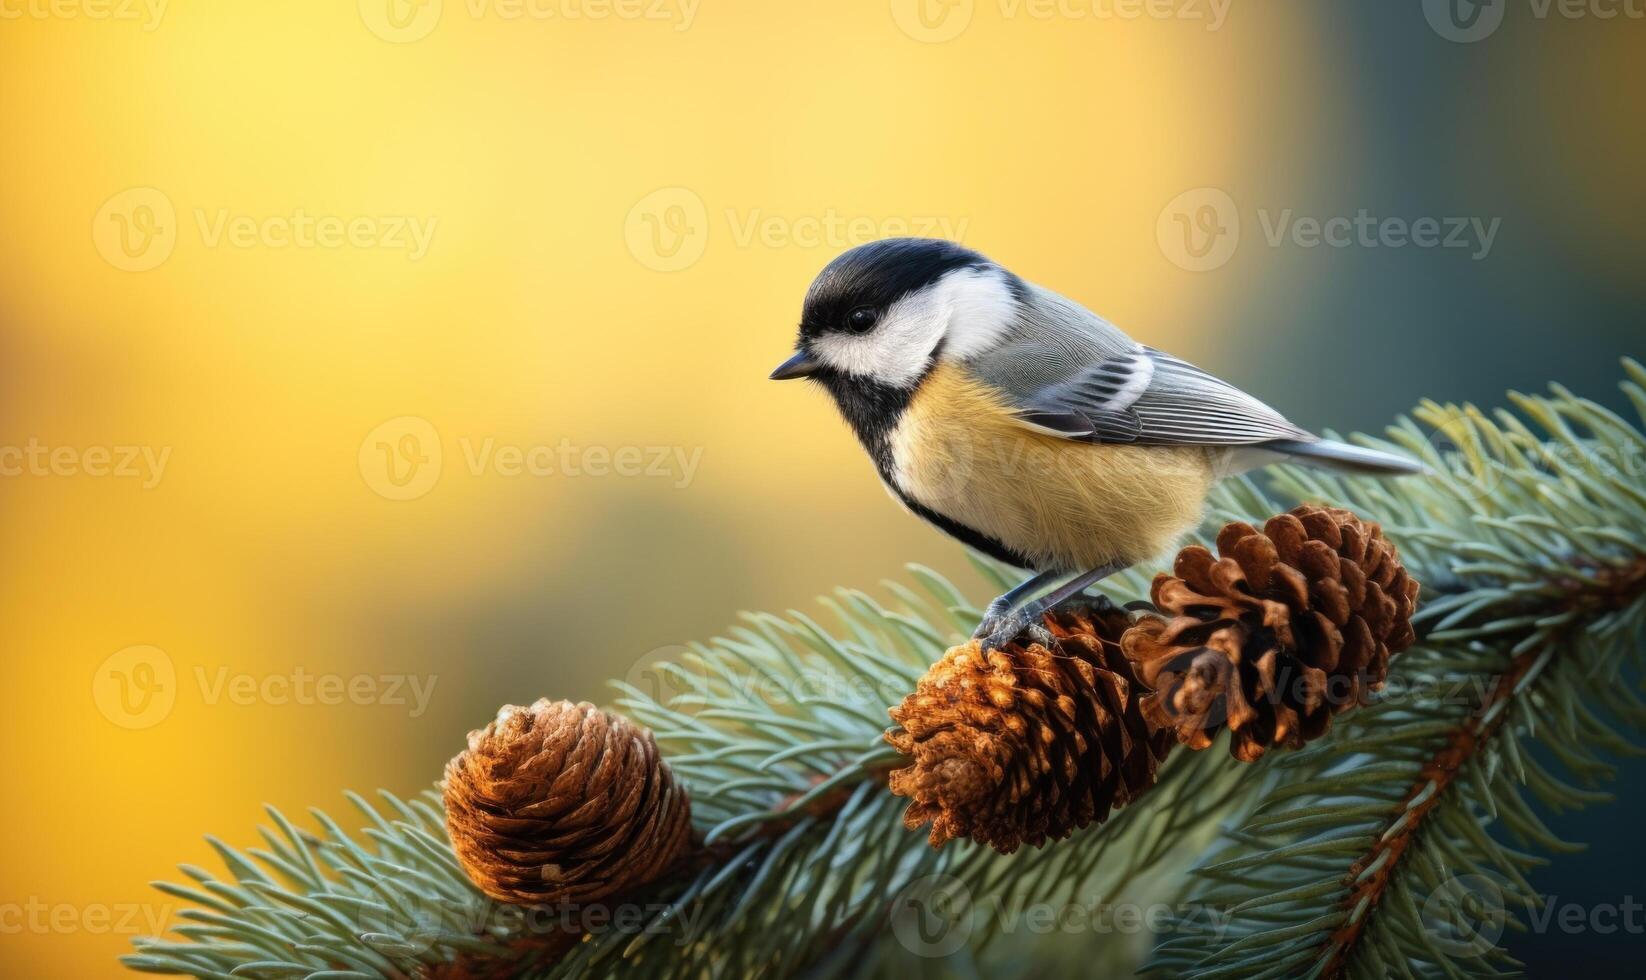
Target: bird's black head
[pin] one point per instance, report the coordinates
(870, 278)
(851, 296)
(880, 318)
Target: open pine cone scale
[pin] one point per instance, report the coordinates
(1280, 630)
(1025, 744)
(1270, 637)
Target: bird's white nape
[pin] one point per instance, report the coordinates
(968, 310)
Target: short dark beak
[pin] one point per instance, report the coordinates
(800, 365)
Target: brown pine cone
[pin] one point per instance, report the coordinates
(1291, 625)
(1026, 743)
(563, 803)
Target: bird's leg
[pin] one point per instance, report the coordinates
(1000, 616)
(1075, 587)
(1008, 622)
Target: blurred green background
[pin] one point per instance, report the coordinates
(335, 265)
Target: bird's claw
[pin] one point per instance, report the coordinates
(999, 629)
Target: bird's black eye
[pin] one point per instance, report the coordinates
(862, 319)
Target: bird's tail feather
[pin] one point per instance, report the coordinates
(1342, 456)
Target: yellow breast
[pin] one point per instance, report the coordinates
(960, 450)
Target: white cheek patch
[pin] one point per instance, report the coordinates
(981, 308)
(896, 350)
(970, 309)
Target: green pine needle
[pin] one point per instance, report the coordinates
(1354, 857)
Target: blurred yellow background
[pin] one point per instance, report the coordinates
(367, 367)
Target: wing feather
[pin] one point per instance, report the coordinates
(1146, 396)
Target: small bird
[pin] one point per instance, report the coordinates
(1026, 426)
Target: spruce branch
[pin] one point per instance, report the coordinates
(803, 852)
(1536, 538)
(1614, 588)
(1330, 860)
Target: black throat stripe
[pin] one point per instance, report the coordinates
(873, 410)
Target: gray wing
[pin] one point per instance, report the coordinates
(1076, 375)
(1147, 396)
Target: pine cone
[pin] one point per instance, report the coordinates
(1291, 625)
(1026, 743)
(563, 803)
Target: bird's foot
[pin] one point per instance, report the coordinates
(1002, 623)
(1001, 626)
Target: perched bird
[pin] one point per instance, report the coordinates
(1027, 426)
